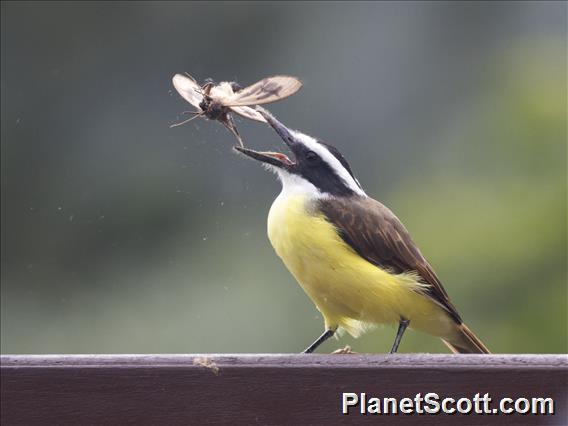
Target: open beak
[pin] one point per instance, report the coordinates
(274, 158)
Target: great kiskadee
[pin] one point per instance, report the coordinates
(351, 254)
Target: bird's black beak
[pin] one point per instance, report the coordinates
(285, 133)
(274, 158)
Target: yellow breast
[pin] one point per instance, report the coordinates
(349, 291)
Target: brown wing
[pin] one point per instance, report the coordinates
(269, 89)
(377, 235)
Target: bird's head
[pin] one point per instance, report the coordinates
(316, 166)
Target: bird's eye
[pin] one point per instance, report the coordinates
(311, 156)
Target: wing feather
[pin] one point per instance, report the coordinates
(269, 89)
(377, 235)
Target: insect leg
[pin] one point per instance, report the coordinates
(195, 115)
(230, 125)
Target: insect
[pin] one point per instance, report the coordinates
(217, 101)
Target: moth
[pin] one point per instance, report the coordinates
(218, 101)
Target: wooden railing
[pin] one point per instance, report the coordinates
(272, 389)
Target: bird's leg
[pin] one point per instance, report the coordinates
(326, 335)
(401, 328)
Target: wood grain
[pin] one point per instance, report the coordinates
(264, 389)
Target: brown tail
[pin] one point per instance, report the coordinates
(466, 342)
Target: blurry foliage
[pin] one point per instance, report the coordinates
(502, 239)
(122, 235)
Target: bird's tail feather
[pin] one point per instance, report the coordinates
(466, 342)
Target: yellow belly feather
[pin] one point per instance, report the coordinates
(349, 291)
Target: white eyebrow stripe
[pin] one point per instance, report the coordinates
(332, 161)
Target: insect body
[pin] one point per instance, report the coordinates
(217, 101)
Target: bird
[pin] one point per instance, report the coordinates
(350, 254)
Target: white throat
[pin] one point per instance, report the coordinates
(293, 184)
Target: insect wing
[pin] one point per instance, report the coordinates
(267, 90)
(248, 112)
(188, 89)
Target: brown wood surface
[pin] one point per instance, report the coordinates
(265, 389)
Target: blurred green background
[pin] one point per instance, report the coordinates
(121, 235)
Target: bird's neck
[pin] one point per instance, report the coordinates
(296, 186)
